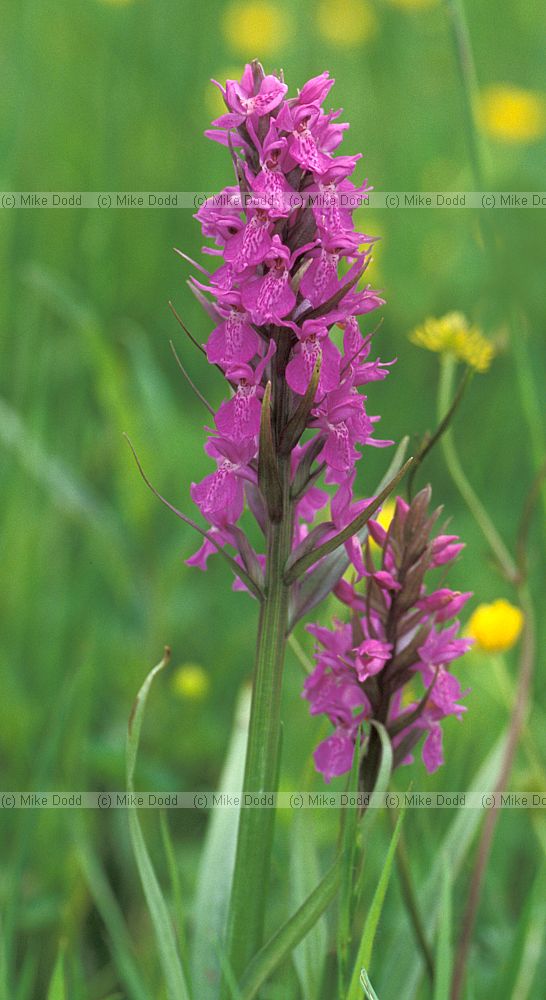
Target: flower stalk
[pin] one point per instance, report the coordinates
(255, 837)
(473, 502)
(286, 300)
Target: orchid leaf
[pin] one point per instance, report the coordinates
(283, 942)
(349, 282)
(369, 991)
(316, 586)
(304, 477)
(356, 525)
(290, 934)
(309, 542)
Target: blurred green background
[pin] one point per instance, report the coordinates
(115, 96)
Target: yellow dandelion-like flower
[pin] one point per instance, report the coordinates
(347, 23)
(116, 3)
(191, 682)
(453, 334)
(495, 627)
(254, 29)
(511, 114)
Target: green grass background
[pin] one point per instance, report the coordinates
(105, 97)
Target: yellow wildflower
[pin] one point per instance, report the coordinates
(117, 3)
(384, 519)
(191, 682)
(495, 627)
(346, 22)
(253, 29)
(512, 114)
(453, 334)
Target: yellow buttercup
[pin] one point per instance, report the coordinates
(496, 627)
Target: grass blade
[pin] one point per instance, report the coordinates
(349, 821)
(176, 889)
(517, 973)
(121, 946)
(166, 942)
(3, 971)
(402, 977)
(444, 950)
(374, 914)
(216, 865)
(300, 923)
(56, 990)
(290, 934)
(310, 954)
(369, 991)
(315, 587)
(353, 528)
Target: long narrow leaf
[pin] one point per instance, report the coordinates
(283, 942)
(444, 949)
(176, 889)
(402, 977)
(216, 866)
(374, 914)
(310, 954)
(385, 767)
(290, 934)
(517, 973)
(159, 913)
(355, 526)
(56, 990)
(317, 585)
(120, 943)
(347, 887)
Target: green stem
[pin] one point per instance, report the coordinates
(458, 475)
(470, 94)
(255, 836)
(412, 905)
(291, 933)
(530, 401)
(469, 85)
